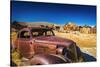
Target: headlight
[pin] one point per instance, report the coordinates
(59, 49)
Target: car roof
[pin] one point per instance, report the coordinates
(32, 28)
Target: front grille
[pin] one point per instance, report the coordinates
(71, 52)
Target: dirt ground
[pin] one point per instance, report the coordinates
(87, 42)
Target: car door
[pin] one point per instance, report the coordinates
(24, 44)
(36, 45)
(44, 47)
(39, 47)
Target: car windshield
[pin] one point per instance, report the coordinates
(42, 32)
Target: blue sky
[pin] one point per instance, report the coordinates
(54, 13)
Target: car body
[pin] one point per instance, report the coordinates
(42, 40)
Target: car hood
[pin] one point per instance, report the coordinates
(53, 40)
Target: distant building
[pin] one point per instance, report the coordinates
(56, 27)
(88, 30)
(70, 27)
(83, 29)
(93, 30)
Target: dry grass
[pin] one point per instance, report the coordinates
(82, 40)
(87, 42)
(13, 36)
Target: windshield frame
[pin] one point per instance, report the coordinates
(44, 31)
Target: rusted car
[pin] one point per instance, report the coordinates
(42, 41)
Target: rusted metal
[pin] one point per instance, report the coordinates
(30, 45)
(42, 59)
